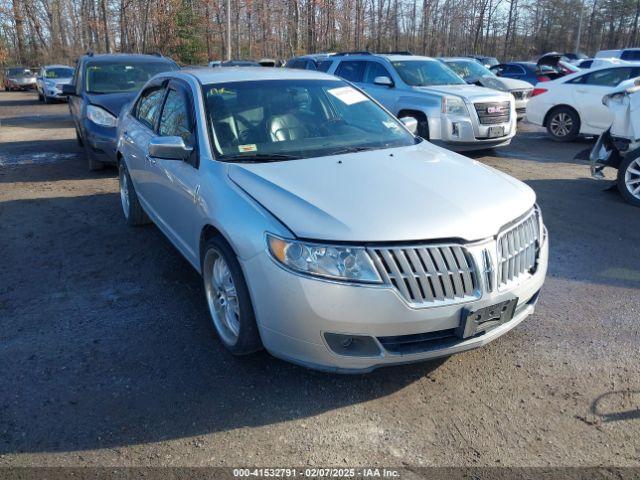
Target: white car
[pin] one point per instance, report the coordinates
(50, 80)
(572, 105)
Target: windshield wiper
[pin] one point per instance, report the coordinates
(353, 150)
(259, 157)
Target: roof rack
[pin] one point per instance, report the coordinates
(363, 52)
(398, 52)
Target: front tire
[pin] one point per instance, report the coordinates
(131, 208)
(563, 124)
(93, 164)
(228, 299)
(629, 180)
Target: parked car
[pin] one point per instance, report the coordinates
(625, 54)
(572, 105)
(476, 74)
(239, 63)
(575, 57)
(50, 80)
(526, 71)
(19, 78)
(585, 64)
(215, 63)
(102, 85)
(487, 62)
(301, 202)
(619, 146)
(318, 61)
(558, 64)
(448, 111)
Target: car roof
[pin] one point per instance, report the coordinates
(247, 74)
(57, 66)
(459, 59)
(136, 57)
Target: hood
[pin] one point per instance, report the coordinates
(415, 193)
(112, 102)
(504, 84)
(470, 92)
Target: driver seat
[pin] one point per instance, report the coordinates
(284, 125)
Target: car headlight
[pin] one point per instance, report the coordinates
(344, 263)
(454, 106)
(100, 116)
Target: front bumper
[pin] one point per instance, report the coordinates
(101, 141)
(54, 92)
(295, 312)
(465, 133)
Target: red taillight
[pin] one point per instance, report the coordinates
(542, 78)
(538, 91)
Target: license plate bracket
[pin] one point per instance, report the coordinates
(496, 132)
(482, 319)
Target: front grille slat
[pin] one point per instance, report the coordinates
(492, 113)
(428, 274)
(518, 249)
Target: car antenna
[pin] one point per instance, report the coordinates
(90, 52)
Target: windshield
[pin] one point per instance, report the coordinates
(58, 72)
(469, 70)
(120, 77)
(291, 119)
(19, 72)
(426, 73)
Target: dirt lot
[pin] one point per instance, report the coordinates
(107, 356)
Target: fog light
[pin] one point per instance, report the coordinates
(352, 345)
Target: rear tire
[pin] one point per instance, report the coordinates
(131, 208)
(563, 124)
(628, 180)
(228, 299)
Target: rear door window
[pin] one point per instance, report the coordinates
(610, 77)
(352, 71)
(324, 65)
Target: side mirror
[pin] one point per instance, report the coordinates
(383, 81)
(68, 89)
(411, 124)
(169, 148)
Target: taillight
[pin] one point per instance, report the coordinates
(542, 78)
(538, 91)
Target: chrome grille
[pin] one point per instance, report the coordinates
(492, 113)
(430, 273)
(518, 249)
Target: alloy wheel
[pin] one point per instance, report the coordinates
(561, 124)
(222, 297)
(632, 178)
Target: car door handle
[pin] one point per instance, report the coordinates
(582, 90)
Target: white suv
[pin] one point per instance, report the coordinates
(448, 110)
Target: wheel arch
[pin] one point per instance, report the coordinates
(557, 107)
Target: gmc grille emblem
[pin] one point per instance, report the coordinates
(495, 109)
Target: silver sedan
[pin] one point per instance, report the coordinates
(325, 230)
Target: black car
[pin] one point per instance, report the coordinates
(318, 61)
(102, 85)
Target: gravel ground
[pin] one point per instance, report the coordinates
(108, 358)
